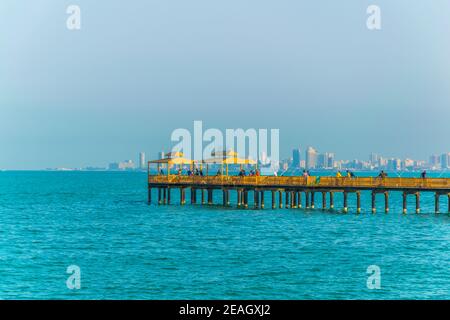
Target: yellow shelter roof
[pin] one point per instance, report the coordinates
(178, 160)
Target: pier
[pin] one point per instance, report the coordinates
(294, 192)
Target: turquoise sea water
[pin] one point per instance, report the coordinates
(126, 249)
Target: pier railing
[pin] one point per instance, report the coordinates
(311, 181)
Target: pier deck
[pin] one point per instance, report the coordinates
(293, 187)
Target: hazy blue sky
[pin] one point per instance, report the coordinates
(139, 69)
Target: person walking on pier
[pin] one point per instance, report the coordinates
(423, 174)
(338, 174)
(382, 174)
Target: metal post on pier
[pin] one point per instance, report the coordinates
(358, 201)
(165, 196)
(292, 195)
(307, 199)
(436, 202)
(386, 202)
(210, 195)
(345, 202)
(280, 199)
(295, 194)
(262, 199)
(312, 199)
(374, 208)
(245, 198)
(159, 195)
(417, 202)
(273, 200)
(299, 199)
(239, 197)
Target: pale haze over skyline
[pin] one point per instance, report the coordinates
(138, 70)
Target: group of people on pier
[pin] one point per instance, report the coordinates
(243, 173)
(306, 173)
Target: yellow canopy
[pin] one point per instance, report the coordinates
(178, 160)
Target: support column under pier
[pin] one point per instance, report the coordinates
(374, 208)
(262, 199)
(280, 199)
(386, 202)
(417, 202)
(273, 200)
(345, 202)
(299, 199)
(358, 201)
(436, 202)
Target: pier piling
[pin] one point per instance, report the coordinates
(374, 208)
(262, 199)
(273, 200)
(345, 202)
(436, 202)
(307, 199)
(417, 202)
(404, 202)
(299, 194)
(358, 202)
(386, 202)
(280, 199)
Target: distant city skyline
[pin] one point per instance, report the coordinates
(313, 159)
